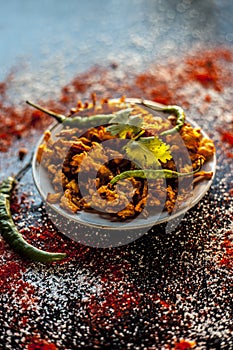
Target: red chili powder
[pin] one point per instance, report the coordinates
(227, 247)
(184, 345)
(162, 83)
(10, 272)
(40, 344)
(118, 303)
(207, 68)
(11, 282)
(227, 136)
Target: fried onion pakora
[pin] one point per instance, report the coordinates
(104, 168)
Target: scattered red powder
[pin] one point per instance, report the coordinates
(163, 83)
(114, 303)
(227, 247)
(227, 139)
(10, 272)
(208, 70)
(11, 282)
(39, 344)
(227, 136)
(184, 345)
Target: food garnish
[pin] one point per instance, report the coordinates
(152, 174)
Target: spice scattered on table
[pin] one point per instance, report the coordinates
(162, 291)
(166, 83)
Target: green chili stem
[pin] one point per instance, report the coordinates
(177, 110)
(59, 117)
(10, 233)
(77, 121)
(152, 174)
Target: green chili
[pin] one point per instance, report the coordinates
(99, 119)
(76, 121)
(11, 234)
(177, 110)
(152, 174)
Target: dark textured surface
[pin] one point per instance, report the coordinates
(161, 288)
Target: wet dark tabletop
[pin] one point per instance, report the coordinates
(162, 289)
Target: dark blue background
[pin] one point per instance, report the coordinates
(81, 33)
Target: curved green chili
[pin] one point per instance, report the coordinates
(11, 234)
(177, 110)
(76, 121)
(99, 119)
(152, 174)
